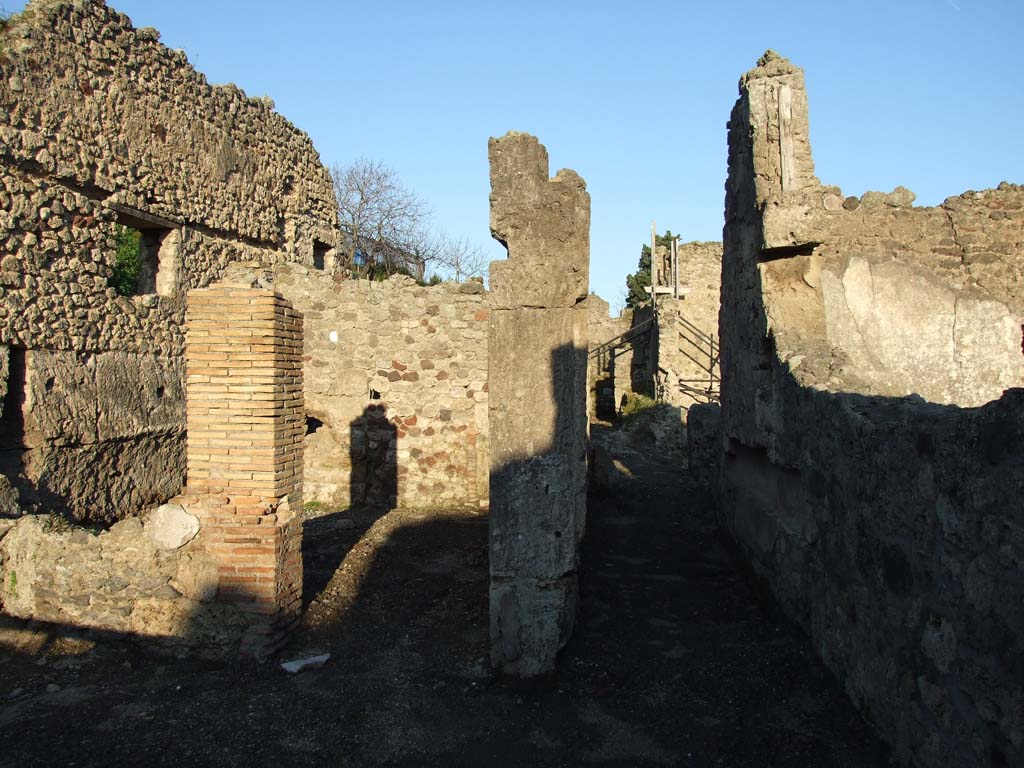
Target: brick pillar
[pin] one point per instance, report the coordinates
(245, 429)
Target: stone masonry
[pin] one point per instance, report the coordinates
(872, 436)
(100, 124)
(395, 388)
(538, 404)
(218, 570)
(688, 372)
(619, 362)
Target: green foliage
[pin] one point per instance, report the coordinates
(12, 587)
(641, 279)
(56, 523)
(636, 403)
(128, 263)
(435, 280)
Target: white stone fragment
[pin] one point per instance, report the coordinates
(171, 527)
(310, 662)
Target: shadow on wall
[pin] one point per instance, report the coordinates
(645, 354)
(538, 509)
(373, 450)
(373, 480)
(12, 429)
(891, 529)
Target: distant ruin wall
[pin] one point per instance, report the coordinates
(396, 390)
(890, 527)
(537, 372)
(619, 363)
(688, 371)
(100, 124)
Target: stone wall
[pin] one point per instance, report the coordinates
(144, 577)
(100, 124)
(688, 327)
(396, 389)
(219, 570)
(537, 372)
(890, 527)
(619, 360)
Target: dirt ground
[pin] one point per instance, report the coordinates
(674, 661)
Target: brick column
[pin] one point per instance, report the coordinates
(245, 429)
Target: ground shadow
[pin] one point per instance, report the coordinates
(373, 488)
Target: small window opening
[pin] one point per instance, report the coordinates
(147, 257)
(374, 394)
(312, 425)
(320, 255)
(12, 419)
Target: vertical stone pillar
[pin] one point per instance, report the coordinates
(537, 378)
(245, 429)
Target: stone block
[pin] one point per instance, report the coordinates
(533, 517)
(169, 526)
(530, 622)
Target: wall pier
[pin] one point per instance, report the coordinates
(244, 452)
(537, 375)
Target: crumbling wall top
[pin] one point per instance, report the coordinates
(88, 99)
(544, 223)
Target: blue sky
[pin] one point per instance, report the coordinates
(632, 95)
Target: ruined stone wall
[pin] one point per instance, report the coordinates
(99, 123)
(537, 373)
(144, 577)
(888, 526)
(396, 389)
(610, 363)
(687, 371)
(220, 569)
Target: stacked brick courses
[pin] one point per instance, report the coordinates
(245, 429)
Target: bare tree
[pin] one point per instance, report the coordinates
(460, 258)
(388, 226)
(382, 220)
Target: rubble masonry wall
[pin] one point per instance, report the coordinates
(219, 570)
(890, 526)
(100, 123)
(396, 389)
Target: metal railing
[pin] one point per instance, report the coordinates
(602, 351)
(702, 349)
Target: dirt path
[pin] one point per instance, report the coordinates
(673, 662)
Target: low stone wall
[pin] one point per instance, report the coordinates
(396, 389)
(144, 577)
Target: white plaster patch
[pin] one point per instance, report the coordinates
(333, 336)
